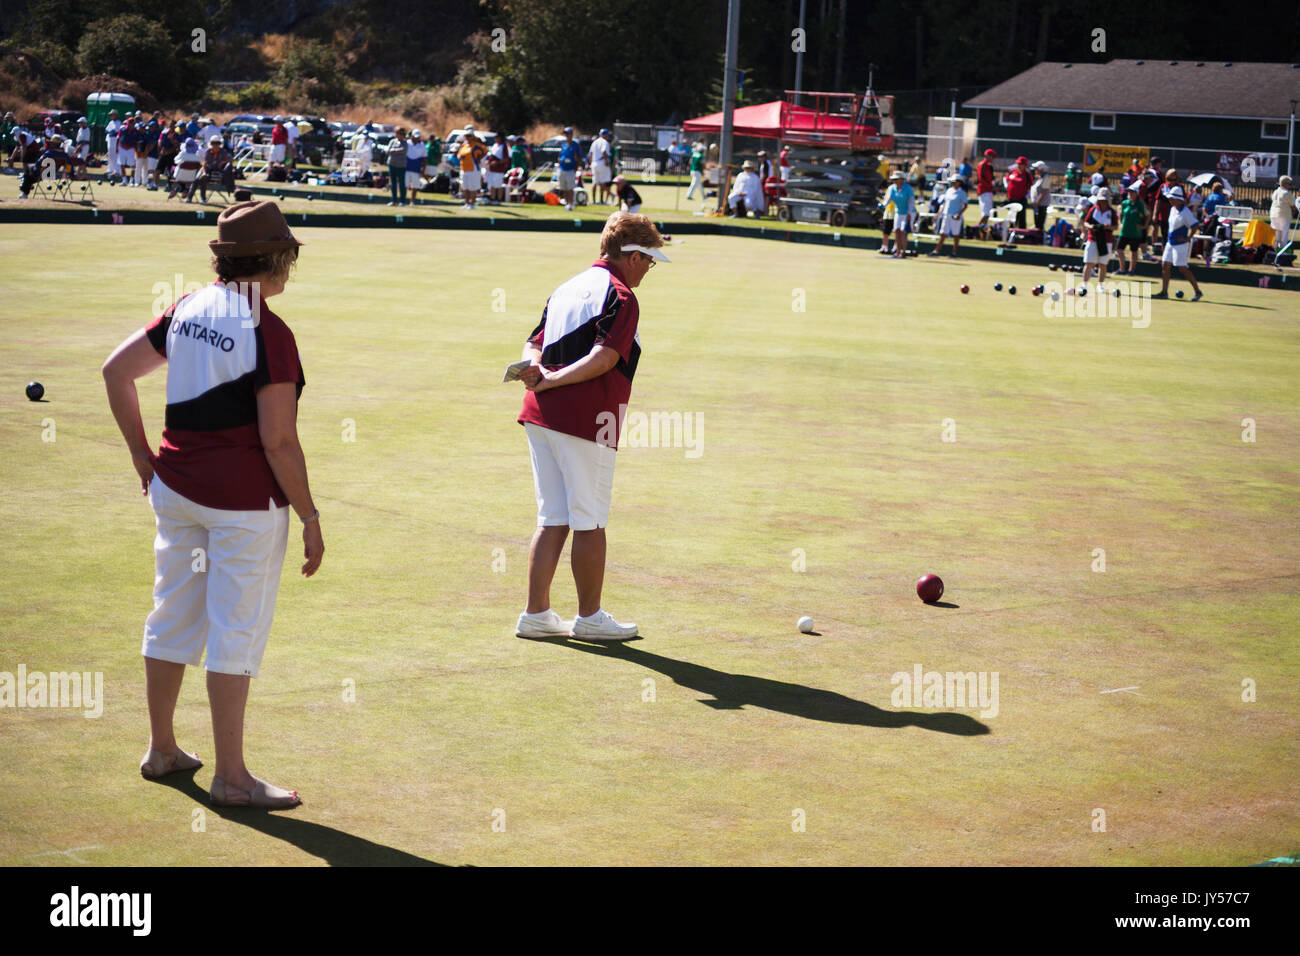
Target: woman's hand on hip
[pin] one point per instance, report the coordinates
(313, 547)
(144, 468)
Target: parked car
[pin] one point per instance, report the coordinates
(344, 130)
(455, 138)
(318, 144)
(65, 121)
(548, 151)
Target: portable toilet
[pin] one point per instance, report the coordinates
(97, 107)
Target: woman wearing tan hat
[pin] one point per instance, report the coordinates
(221, 486)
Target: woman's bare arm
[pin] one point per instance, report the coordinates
(133, 359)
(277, 424)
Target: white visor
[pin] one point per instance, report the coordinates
(652, 253)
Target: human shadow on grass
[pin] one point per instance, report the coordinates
(734, 691)
(333, 846)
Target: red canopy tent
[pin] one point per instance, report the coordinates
(781, 119)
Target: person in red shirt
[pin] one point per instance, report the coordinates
(1018, 182)
(583, 355)
(984, 187)
(229, 467)
(279, 143)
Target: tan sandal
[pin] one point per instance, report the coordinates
(157, 764)
(221, 794)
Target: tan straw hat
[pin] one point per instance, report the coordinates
(252, 229)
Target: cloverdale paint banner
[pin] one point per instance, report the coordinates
(1248, 167)
(1113, 159)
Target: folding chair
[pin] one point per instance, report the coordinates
(84, 189)
(187, 174)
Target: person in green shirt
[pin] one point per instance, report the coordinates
(696, 166)
(518, 155)
(7, 133)
(1072, 178)
(1132, 229)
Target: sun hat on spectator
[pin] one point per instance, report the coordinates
(568, 129)
(897, 174)
(1132, 188)
(1103, 194)
(1176, 193)
(251, 229)
(747, 164)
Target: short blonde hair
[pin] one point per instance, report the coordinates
(625, 228)
(277, 265)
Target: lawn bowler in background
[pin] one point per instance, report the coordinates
(229, 468)
(1178, 248)
(1099, 221)
(952, 215)
(584, 354)
(902, 197)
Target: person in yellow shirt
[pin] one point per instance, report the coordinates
(883, 169)
(470, 154)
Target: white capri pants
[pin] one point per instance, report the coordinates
(573, 478)
(952, 226)
(986, 204)
(471, 180)
(221, 600)
(495, 180)
(1090, 254)
(1178, 255)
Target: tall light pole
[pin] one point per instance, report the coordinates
(798, 55)
(1290, 138)
(728, 92)
(952, 129)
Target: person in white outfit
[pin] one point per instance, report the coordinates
(1281, 210)
(1178, 248)
(746, 194)
(110, 133)
(417, 154)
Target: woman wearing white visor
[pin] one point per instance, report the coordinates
(584, 354)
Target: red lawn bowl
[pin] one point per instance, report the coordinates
(930, 588)
(965, 289)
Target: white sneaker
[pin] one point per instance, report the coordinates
(601, 626)
(544, 624)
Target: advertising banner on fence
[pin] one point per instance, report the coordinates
(1113, 160)
(1248, 167)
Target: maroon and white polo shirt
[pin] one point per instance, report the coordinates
(220, 351)
(593, 308)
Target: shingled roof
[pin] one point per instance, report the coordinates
(1211, 88)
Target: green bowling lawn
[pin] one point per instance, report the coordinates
(1146, 713)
